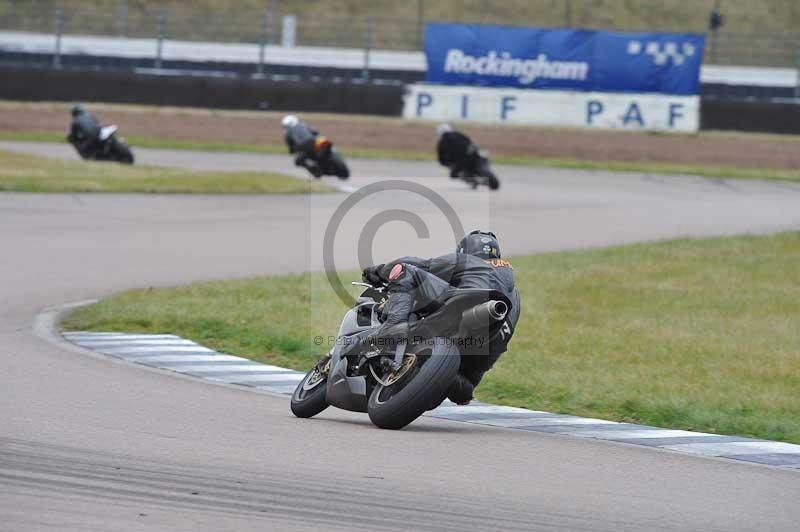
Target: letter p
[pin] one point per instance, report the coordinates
(424, 99)
(593, 108)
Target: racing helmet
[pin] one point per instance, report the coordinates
(443, 128)
(482, 244)
(77, 110)
(289, 121)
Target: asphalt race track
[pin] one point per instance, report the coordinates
(87, 443)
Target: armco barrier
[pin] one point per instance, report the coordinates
(34, 84)
(739, 115)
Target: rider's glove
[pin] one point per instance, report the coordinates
(371, 275)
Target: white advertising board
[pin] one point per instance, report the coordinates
(646, 112)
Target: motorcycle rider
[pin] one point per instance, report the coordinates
(415, 284)
(84, 131)
(300, 137)
(457, 152)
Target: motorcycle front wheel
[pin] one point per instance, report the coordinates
(422, 386)
(308, 398)
(121, 152)
(340, 168)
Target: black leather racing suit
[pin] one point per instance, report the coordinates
(84, 134)
(457, 152)
(422, 281)
(300, 141)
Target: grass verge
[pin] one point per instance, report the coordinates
(729, 172)
(25, 173)
(690, 334)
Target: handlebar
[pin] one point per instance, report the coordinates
(367, 285)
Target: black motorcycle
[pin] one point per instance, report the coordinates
(108, 147)
(396, 382)
(324, 159)
(478, 173)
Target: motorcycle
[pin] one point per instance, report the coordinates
(109, 147)
(480, 173)
(396, 383)
(326, 160)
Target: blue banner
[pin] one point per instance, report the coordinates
(499, 56)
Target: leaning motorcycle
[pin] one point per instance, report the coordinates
(109, 147)
(326, 160)
(395, 383)
(480, 173)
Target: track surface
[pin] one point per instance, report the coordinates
(89, 444)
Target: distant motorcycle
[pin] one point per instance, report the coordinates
(326, 160)
(109, 147)
(480, 173)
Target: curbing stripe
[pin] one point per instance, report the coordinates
(173, 353)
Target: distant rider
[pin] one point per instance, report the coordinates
(414, 284)
(457, 152)
(300, 138)
(84, 131)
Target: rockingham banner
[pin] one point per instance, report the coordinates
(654, 112)
(648, 81)
(598, 61)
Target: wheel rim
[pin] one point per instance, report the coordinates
(316, 377)
(397, 380)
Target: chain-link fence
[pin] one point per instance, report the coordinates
(760, 34)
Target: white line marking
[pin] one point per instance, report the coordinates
(72, 336)
(188, 358)
(488, 409)
(736, 447)
(603, 434)
(279, 389)
(258, 378)
(540, 422)
(128, 342)
(150, 349)
(254, 368)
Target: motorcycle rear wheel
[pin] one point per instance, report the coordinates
(424, 387)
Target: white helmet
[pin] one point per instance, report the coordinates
(289, 121)
(441, 129)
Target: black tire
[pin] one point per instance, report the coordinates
(340, 168)
(122, 152)
(491, 180)
(396, 406)
(307, 402)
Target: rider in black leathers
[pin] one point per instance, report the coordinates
(84, 131)
(300, 138)
(414, 284)
(456, 151)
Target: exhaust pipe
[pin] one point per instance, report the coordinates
(484, 315)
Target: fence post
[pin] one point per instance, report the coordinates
(59, 27)
(368, 22)
(123, 18)
(797, 83)
(568, 13)
(420, 22)
(161, 25)
(263, 39)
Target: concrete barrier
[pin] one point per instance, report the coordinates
(45, 84)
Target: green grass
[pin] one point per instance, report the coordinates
(26, 173)
(690, 334)
(727, 172)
